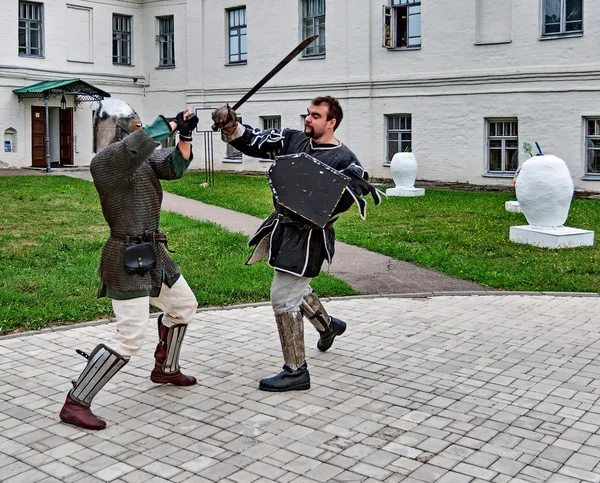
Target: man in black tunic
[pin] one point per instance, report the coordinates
(127, 176)
(295, 247)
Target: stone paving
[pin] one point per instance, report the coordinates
(448, 389)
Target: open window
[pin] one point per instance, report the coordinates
(402, 24)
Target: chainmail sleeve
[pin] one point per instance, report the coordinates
(169, 164)
(125, 156)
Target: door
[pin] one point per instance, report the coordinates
(66, 136)
(38, 136)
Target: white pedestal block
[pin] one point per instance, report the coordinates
(548, 237)
(513, 206)
(405, 191)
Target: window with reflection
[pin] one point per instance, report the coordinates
(562, 17)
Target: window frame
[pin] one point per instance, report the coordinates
(310, 11)
(586, 137)
(503, 148)
(274, 121)
(230, 15)
(233, 155)
(402, 143)
(166, 41)
(120, 38)
(390, 24)
(27, 28)
(563, 32)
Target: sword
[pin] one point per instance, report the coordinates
(299, 48)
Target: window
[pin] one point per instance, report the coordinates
(399, 134)
(562, 17)
(121, 39)
(238, 49)
(503, 146)
(31, 33)
(166, 41)
(313, 23)
(592, 146)
(402, 24)
(271, 122)
(302, 121)
(231, 153)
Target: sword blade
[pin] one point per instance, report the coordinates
(305, 43)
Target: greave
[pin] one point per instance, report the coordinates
(312, 308)
(169, 346)
(291, 335)
(103, 364)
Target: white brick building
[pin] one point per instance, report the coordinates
(462, 83)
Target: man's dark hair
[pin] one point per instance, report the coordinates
(335, 110)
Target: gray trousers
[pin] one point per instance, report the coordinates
(287, 292)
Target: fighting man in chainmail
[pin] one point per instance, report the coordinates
(127, 175)
(295, 247)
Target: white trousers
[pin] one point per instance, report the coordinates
(177, 302)
(287, 291)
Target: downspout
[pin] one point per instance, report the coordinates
(48, 156)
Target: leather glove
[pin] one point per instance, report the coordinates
(186, 126)
(225, 119)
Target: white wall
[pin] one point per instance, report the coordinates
(449, 86)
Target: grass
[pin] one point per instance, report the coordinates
(463, 234)
(51, 237)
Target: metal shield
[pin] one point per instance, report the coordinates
(111, 123)
(307, 186)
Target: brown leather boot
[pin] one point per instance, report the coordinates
(103, 364)
(75, 413)
(166, 367)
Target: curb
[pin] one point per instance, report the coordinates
(481, 293)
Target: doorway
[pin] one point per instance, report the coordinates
(60, 125)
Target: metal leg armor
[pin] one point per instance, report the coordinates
(328, 327)
(295, 374)
(166, 367)
(103, 364)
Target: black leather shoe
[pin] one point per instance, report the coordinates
(287, 380)
(337, 327)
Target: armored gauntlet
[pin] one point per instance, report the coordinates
(186, 126)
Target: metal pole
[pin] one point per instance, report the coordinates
(48, 157)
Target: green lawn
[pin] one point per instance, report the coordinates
(464, 234)
(51, 235)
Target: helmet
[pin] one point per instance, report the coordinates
(114, 120)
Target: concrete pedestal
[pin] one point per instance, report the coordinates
(562, 237)
(513, 206)
(405, 191)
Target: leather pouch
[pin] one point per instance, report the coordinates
(139, 258)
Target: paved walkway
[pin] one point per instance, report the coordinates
(447, 389)
(494, 387)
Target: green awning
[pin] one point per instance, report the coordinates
(75, 87)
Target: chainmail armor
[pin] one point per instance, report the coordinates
(126, 175)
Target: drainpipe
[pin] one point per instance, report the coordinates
(48, 156)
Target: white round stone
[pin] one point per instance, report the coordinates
(404, 170)
(544, 189)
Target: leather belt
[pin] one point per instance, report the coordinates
(154, 237)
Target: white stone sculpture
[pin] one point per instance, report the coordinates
(404, 172)
(544, 190)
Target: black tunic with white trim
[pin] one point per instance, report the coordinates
(294, 244)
